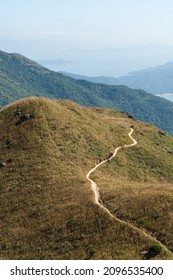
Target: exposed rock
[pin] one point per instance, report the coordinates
(169, 152)
(144, 254)
(129, 115)
(3, 164)
(18, 113)
(23, 118)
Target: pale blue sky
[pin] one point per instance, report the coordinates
(91, 22)
(44, 28)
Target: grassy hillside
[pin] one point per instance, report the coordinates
(47, 205)
(21, 77)
(138, 183)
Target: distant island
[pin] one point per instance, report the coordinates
(156, 80)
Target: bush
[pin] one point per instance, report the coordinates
(154, 250)
(92, 251)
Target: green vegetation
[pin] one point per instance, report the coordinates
(47, 205)
(154, 250)
(92, 251)
(21, 77)
(153, 79)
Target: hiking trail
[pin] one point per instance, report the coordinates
(97, 195)
(93, 184)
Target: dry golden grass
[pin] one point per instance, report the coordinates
(137, 185)
(47, 209)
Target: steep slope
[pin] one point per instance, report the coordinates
(48, 209)
(142, 191)
(153, 79)
(21, 77)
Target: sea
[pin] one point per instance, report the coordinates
(168, 96)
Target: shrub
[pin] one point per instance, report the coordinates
(154, 250)
(92, 251)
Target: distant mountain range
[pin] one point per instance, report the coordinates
(154, 79)
(21, 77)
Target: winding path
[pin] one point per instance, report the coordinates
(93, 184)
(97, 195)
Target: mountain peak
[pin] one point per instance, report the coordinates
(47, 198)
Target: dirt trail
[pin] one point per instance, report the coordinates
(93, 184)
(97, 195)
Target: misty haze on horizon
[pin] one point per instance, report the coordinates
(109, 62)
(93, 38)
(95, 62)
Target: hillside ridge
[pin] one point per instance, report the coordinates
(20, 78)
(47, 207)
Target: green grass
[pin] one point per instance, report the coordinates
(21, 77)
(47, 209)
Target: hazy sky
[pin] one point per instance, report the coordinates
(42, 28)
(95, 22)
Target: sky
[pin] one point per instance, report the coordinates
(83, 31)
